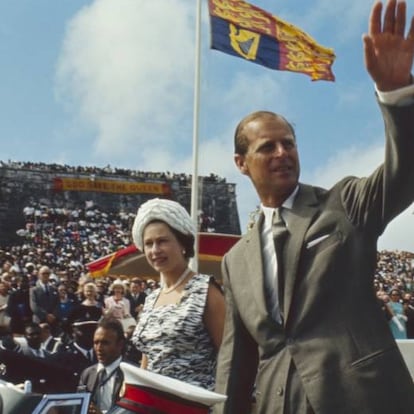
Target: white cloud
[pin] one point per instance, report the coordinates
(247, 93)
(399, 234)
(361, 162)
(128, 72)
(355, 161)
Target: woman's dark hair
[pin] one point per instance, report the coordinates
(186, 240)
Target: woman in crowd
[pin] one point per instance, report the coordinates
(398, 319)
(90, 304)
(117, 305)
(66, 305)
(180, 328)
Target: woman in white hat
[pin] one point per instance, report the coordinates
(180, 328)
(117, 305)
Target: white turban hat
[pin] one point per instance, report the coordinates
(168, 211)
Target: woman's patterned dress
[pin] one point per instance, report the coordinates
(174, 337)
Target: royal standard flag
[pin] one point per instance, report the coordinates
(241, 29)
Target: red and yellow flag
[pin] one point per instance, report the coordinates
(100, 267)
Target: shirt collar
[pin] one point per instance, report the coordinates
(82, 350)
(46, 341)
(35, 351)
(287, 204)
(109, 368)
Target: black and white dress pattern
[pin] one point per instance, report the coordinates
(174, 337)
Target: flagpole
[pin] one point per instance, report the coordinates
(196, 109)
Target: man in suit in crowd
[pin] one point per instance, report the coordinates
(45, 375)
(136, 296)
(408, 302)
(49, 342)
(44, 299)
(104, 379)
(79, 354)
(29, 345)
(18, 306)
(303, 326)
(33, 336)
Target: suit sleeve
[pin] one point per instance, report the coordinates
(237, 360)
(87, 379)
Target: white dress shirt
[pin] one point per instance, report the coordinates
(37, 352)
(107, 390)
(398, 97)
(269, 254)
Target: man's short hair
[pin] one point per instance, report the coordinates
(241, 142)
(112, 324)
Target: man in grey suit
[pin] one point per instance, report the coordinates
(304, 332)
(44, 299)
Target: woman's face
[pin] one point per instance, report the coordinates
(162, 249)
(3, 289)
(62, 291)
(89, 292)
(395, 296)
(118, 291)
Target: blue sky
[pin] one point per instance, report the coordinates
(103, 82)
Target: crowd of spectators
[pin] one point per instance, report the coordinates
(106, 171)
(394, 286)
(48, 324)
(66, 240)
(59, 242)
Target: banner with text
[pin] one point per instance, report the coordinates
(109, 186)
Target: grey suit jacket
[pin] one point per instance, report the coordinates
(41, 304)
(334, 331)
(88, 382)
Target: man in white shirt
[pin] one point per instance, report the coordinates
(32, 346)
(104, 379)
(306, 333)
(49, 342)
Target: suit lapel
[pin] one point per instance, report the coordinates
(119, 377)
(299, 219)
(252, 259)
(93, 383)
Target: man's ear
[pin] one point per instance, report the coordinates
(240, 161)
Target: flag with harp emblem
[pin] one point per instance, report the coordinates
(240, 29)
